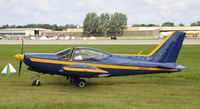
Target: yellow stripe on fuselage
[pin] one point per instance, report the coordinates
(84, 70)
(109, 66)
(154, 50)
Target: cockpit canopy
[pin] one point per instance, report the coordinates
(82, 54)
(65, 54)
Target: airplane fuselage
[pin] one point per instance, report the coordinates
(115, 65)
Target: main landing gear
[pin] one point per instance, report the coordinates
(77, 81)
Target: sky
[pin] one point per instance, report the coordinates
(63, 12)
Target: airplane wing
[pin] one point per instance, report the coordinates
(85, 71)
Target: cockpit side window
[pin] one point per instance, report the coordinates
(65, 54)
(89, 54)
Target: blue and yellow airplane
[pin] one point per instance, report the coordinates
(76, 63)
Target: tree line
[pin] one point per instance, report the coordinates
(165, 24)
(105, 24)
(154, 25)
(53, 27)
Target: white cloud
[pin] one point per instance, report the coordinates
(73, 11)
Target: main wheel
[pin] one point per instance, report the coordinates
(36, 83)
(81, 83)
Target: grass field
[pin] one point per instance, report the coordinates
(161, 91)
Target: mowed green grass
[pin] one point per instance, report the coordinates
(159, 91)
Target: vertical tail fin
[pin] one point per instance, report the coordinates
(168, 50)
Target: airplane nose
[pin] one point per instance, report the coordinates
(19, 57)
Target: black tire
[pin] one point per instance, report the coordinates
(81, 83)
(36, 83)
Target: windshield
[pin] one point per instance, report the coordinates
(64, 54)
(89, 54)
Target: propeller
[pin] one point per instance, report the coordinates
(22, 47)
(20, 67)
(20, 57)
(20, 62)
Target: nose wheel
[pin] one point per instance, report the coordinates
(36, 82)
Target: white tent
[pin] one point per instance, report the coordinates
(8, 69)
(43, 38)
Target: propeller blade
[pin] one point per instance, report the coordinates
(20, 63)
(20, 67)
(22, 47)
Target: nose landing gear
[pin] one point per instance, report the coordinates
(36, 82)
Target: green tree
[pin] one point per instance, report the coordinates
(46, 26)
(136, 25)
(181, 24)
(118, 23)
(168, 24)
(195, 23)
(90, 24)
(152, 25)
(104, 22)
(145, 25)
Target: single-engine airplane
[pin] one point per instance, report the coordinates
(76, 63)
